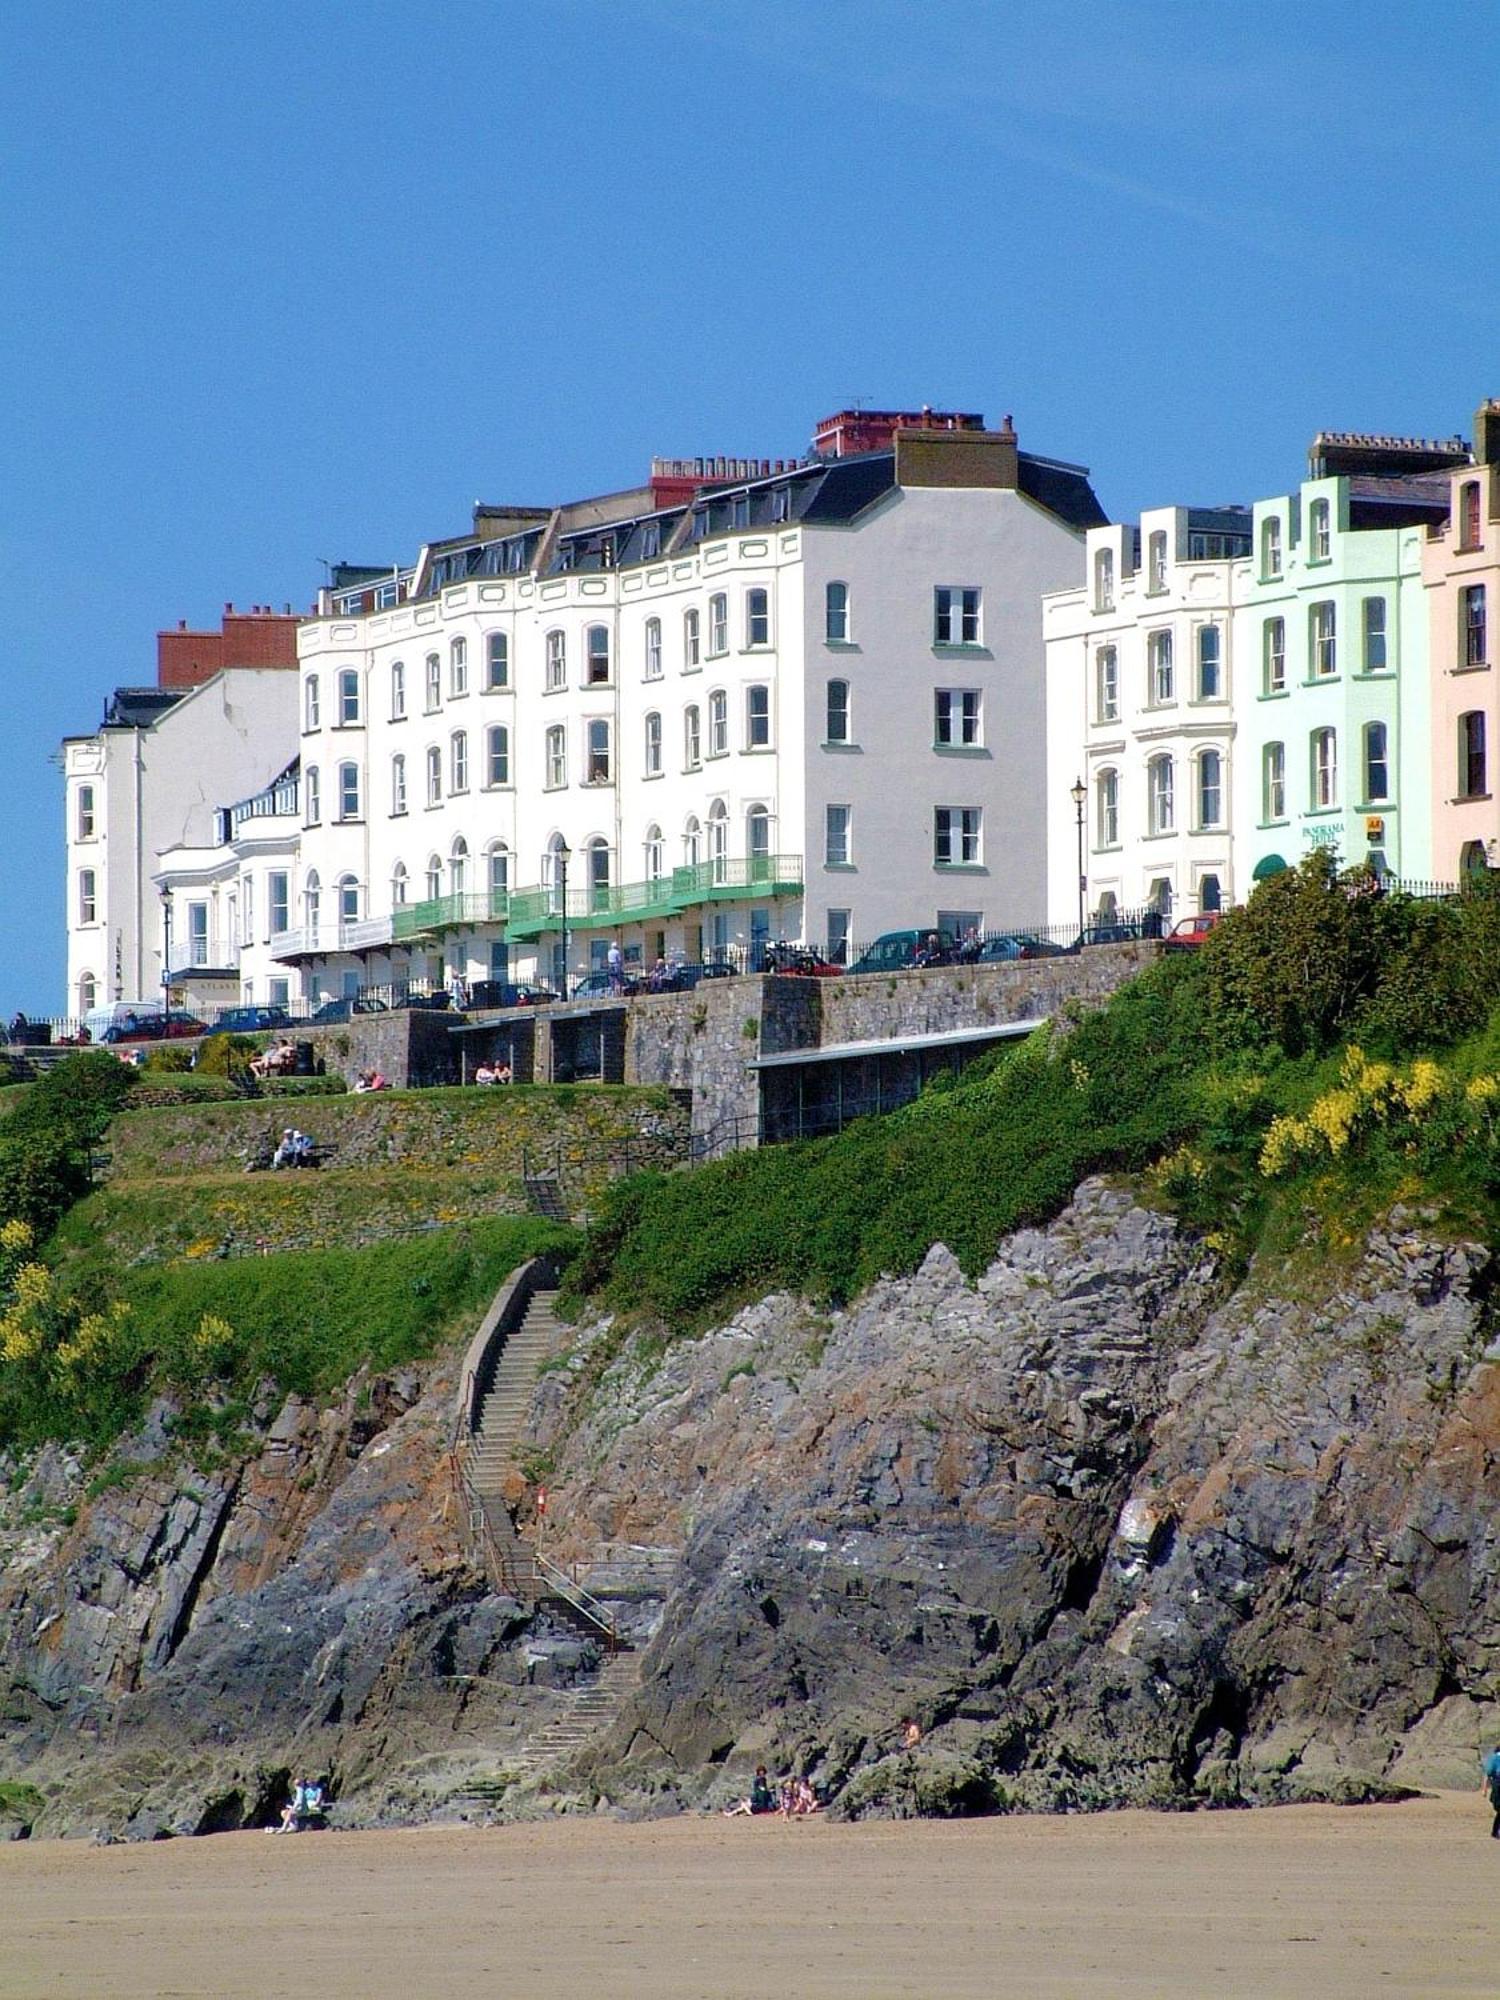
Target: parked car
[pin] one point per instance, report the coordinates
(1114, 930)
(345, 1008)
(505, 993)
(598, 986)
(1008, 945)
(800, 961)
(154, 1028)
(249, 1020)
(1189, 932)
(895, 951)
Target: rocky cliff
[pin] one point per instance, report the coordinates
(1107, 1532)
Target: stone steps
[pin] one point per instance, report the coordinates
(589, 1711)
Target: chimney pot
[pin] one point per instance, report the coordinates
(228, 608)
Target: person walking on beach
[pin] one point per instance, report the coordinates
(1490, 1785)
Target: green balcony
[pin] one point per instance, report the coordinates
(749, 879)
(439, 914)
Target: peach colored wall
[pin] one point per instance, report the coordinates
(1449, 566)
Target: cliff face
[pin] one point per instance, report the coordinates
(1105, 1540)
(1105, 1534)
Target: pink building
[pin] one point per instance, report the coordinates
(1461, 571)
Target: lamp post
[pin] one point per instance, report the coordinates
(1080, 792)
(563, 855)
(166, 953)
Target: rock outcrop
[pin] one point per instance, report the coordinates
(1106, 1531)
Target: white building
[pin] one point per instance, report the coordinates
(804, 703)
(146, 789)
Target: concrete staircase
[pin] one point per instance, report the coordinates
(587, 1712)
(504, 1408)
(545, 1196)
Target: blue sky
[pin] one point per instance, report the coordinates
(293, 280)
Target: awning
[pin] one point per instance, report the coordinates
(1266, 867)
(898, 1045)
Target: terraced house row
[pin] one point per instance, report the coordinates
(916, 678)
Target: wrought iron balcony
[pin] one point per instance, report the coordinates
(437, 914)
(591, 907)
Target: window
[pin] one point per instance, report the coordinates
(497, 872)
(955, 615)
(836, 821)
(312, 805)
(348, 697)
(84, 820)
(1270, 547)
(691, 643)
(1156, 562)
(88, 907)
(956, 836)
(758, 842)
(1160, 807)
(1323, 634)
(197, 928)
(312, 899)
(836, 614)
(247, 916)
(1210, 893)
(1377, 766)
(88, 992)
(718, 723)
(458, 761)
(653, 745)
(757, 718)
(1210, 664)
(278, 900)
(1475, 637)
(718, 841)
(1273, 782)
(1107, 684)
(398, 785)
(434, 878)
(1473, 777)
(458, 866)
(1159, 667)
(1210, 799)
(399, 886)
(655, 854)
(653, 649)
(1273, 654)
(348, 791)
(497, 660)
(557, 659)
(348, 900)
(434, 684)
(692, 747)
(1324, 792)
(836, 712)
(1374, 635)
(692, 843)
(434, 775)
(757, 617)
(596, 655)
(1104, 580)
(310, 708)
(718, 623)
(1318, 524)
(458, 667)
(497, 754)
(398, 690)
(1107, 809)
(1468, 515)
(557, 756)
(956, 718)
(596, 737)
(838, 937)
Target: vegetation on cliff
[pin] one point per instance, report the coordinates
(1328, 1049)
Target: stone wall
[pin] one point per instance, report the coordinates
(876, 1006)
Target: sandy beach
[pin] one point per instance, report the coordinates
(1306, 1900)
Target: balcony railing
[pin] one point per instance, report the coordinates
(747, 878)
(316, 940)
(449, 913)
(202, 954)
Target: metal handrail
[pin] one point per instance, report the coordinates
(562, 1585)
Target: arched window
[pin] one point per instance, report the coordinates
(1468, 515)
(718, 622)
(718, 723)
(1109, 907)
(398, 690)
(596, 655)
(1210, 800)
(1104, 580)
(692, 741)
(1270, 546)
(836, 614)
(497, 754)
(691, 639)
(692, 842)
(653, 745)
(348, 697)
(557, 756)
(1107, 809)
(553, 872)
(1319, 524)
(458, 761)
(458, 866)
(653, 649)
(557, 659)
(310, 703)
(398, 785)
(458, 666)
(836, 722)
(348, 900)
(758, 843)
(312, 898)
(433, 884)
(655, 854)
(434, 774)
(399, 885)
(88, 991)
(1472, 858)
(497, 869)
(1323, 638)
(497, 660)
(1377, 764)
(1273, 655)
(1160, 808)
(596, 860)
(434, 682)
(718, 840)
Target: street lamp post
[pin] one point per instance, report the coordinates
(1079, 795)
(563, 856)
(166, 953)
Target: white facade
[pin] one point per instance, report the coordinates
(139, 790)
(671, 720)
(1141, 693)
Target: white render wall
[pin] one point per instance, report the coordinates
(156, 789)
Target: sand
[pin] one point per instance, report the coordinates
(1303, 1901)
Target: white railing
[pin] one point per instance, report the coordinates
(357, 934)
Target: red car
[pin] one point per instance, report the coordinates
(1189, 932)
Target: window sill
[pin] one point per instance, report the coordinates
(350, 819)
(1161, 833)
(714, 756)
(759, 646)
(841, 748)
(496, 687)
(840, 867)
(397, 812)
(596, 784)
(1321, 680)
(651, 777)
(1318, 562)
(433, 805)
(969, 649)
(1383, 808)
(1110, 847)
(1268, 825)
(402, 717)
(1375, 673)
(1471, 667)
(1470, 798)
(759, 750)
(1323, 812)
(590, 685)
(692, 666)
(433, 708)
(841, 645)
(1275, 694)
(959, 750)
(335, 728)
(689, 770)
(561, 688)
(960, 868)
